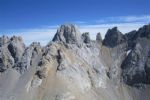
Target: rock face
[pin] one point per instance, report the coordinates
(68, 34)
(144, 31)
(74, 67)
(16, 47)
(99, 37)
(11, 51)
(113, 37)
(86, 37)
(135, 66)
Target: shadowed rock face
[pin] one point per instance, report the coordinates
(86, 37)
(131, 39)
(113, 37)
(144, 31)
(3, 40)
(136, 64)
(74, 67)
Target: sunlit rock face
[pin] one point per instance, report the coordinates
(68, 34)
(74, 67)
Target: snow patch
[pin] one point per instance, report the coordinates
(128, 52)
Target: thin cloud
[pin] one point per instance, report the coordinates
(125, 19)
(136, 18)
(80, 22)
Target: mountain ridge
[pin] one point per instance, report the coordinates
(117, 66)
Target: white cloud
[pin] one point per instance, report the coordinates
(125, 19)
(145, 18)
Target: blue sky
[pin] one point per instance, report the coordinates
(37, 20)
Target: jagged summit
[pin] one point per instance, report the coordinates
(144, 31)
(99, 37)
(113, 37)
(4, 40)
(68, 33)
(86, 37)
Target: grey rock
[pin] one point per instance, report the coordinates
(147, 68)
(60, 59)
(113, 38)
(136, 65)
(59, 97)
(41, 73)
(99, 38)
(86, 37)
(6, 60)
(12, 50)
(144, 31)
(30, 54)
(133, 36)
(131, 39)
(68, 34)
(41, 70)
(16, 47)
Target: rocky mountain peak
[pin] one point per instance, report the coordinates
(15, 38)
(68, 33)
(99, 37)
(4, 40)
(144, 31)
(113, 37)
(86, 37)
(11, 53)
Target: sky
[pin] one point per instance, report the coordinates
(38, 20)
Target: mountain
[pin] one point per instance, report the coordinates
(74, 67)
